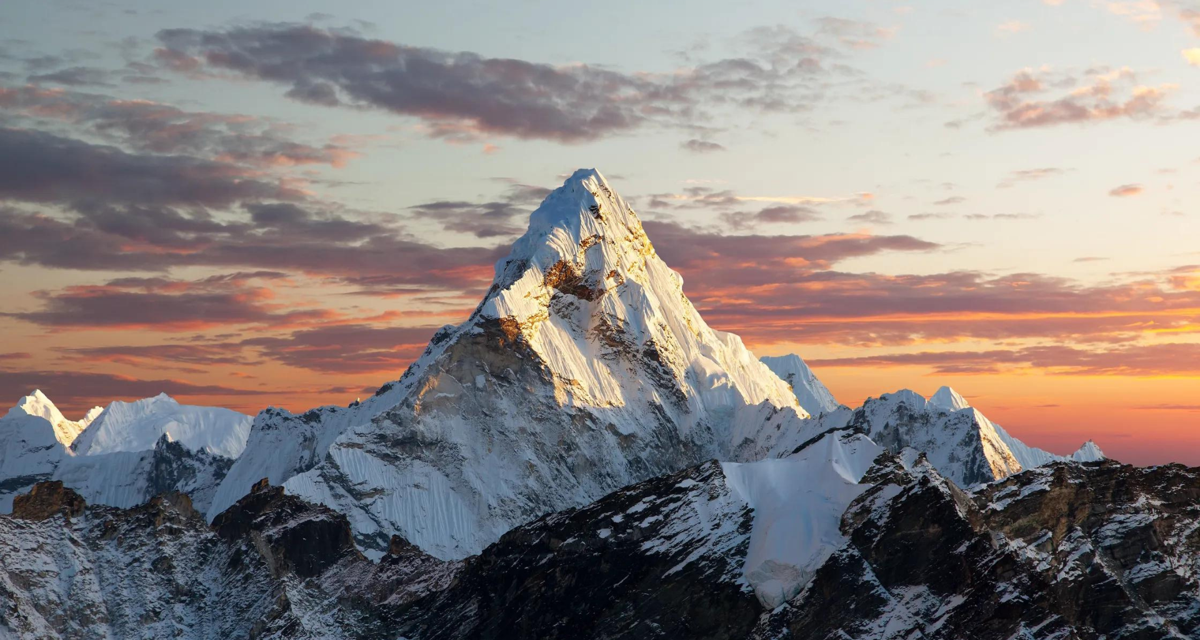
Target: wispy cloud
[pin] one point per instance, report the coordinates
(1098, 95)
(1126, 190)
(462, 94)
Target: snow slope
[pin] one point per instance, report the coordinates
(584, 369)
(949, 400)
(798, 504)
(136, 426)
(812, 394)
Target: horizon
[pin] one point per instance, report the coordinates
(270, 206)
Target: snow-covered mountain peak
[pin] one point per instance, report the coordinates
(136, 426)
(1088, 452)
(949, 400)
(584, 288)
(809, 390)
(584, 368)
(38, 405)
(91, 416)
(583, 240)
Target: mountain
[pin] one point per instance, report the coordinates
(1029, 457)
(38, 405)
(136, 426)
(956, 438)
(585, 368)
(271, 567)
(122, 455)
(584, 456)
(34, 437)
(810, 392)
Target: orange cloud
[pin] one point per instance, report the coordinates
(1126, 190)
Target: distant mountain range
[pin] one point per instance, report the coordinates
(584, 457)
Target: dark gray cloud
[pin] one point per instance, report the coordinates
(167, 305)
(75, 76)
(349, 349)
(874, 216)
(75, 391)
(461, 94)
(687, 248)
(275, 236)
(147, 126)
(36, 166)
(701, 146)
(1177, 359)
(781, 214)
(500, 218)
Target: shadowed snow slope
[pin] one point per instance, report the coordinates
(584, 369)
(810, 391)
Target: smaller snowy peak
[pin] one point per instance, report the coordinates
(949, 400)
(136, 426)
(1089, 452)
(812, 394)
(91, 416)
(38, 405)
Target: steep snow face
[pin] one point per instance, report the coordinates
(1089, 452)
(798, 504)
(128, 478)
(584, 369)
(811, 392)
(136, 426)
(585, 287)
(948, 399)
(65, 431)
(29, 453)
(963, 445)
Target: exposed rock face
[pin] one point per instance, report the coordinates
(46, 500)
(277, 568)
(292, 535)
(1067, 551)
(661, 559)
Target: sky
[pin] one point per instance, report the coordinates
(279, 202)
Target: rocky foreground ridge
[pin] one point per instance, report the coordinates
(1096, 550)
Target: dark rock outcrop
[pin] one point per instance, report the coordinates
(291, 534)
(46, 500)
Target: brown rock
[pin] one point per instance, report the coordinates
(46, 500)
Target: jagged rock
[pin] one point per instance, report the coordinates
(46, 500)
(292, 535)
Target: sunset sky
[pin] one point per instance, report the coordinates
(277, 203)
